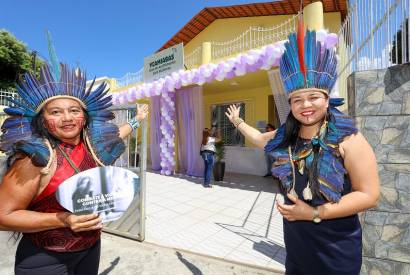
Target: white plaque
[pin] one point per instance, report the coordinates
(107, 191)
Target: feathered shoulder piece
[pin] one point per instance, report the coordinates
(19, 134)
(330, 170)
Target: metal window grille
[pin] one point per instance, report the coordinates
(229, 134)
(374, 35)
(4, 95)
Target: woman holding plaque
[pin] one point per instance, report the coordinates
(56, 128)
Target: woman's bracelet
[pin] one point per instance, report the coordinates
(237, 122)
(134, 123)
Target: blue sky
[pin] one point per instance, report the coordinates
(107, 38)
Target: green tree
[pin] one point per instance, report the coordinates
(15, 60)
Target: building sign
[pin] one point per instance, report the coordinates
(163, 63)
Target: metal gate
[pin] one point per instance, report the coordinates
(132, 222)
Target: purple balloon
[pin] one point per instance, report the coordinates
(230, 75)
(255, 67)
(331, 40)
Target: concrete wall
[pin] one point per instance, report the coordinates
(380, 102)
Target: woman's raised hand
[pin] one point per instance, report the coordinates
(142, 112)
(233, 113)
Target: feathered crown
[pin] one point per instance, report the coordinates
(19, 133)
(306, 64)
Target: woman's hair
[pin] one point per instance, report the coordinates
(269, 126)
(292, 128)
(205, 136)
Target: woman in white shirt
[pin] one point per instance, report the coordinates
(207, 153)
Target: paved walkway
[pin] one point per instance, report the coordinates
(235, 220)
(235, 223)
(121, 256)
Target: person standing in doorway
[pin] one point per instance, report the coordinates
(207, 153)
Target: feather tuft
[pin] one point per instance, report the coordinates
(301, 47)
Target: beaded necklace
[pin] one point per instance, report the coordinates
(304, 158)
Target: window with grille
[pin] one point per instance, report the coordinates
(229, 134)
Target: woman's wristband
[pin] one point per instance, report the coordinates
(134, 123)
(238, 121)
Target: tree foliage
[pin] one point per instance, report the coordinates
(15, 60)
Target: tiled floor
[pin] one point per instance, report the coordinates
(236, 219)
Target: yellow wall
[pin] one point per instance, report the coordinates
(256, 103)
(332, 21)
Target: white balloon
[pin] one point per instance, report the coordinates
(121, 98)
(220, 76)
(321, 35)
(240, 70)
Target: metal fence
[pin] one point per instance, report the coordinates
(194, 58)
(374, 35)
(254, 37)
(132, 222)
(4, 95)
(130, 78)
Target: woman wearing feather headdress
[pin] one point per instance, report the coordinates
(55, 129)
(326, 168)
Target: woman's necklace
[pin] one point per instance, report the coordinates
(292, 190)
(68, 159)
(307, 192)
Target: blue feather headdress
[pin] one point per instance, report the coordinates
(20, 135)
(306, 64)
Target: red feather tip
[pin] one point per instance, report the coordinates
(301, 47)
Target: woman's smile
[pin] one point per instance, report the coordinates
(69, 127)
(307, 113)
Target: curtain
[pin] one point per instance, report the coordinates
(155, 132)
(279, 95)
(190, 123)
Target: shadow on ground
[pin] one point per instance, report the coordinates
(189, 265)
(111, 267)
